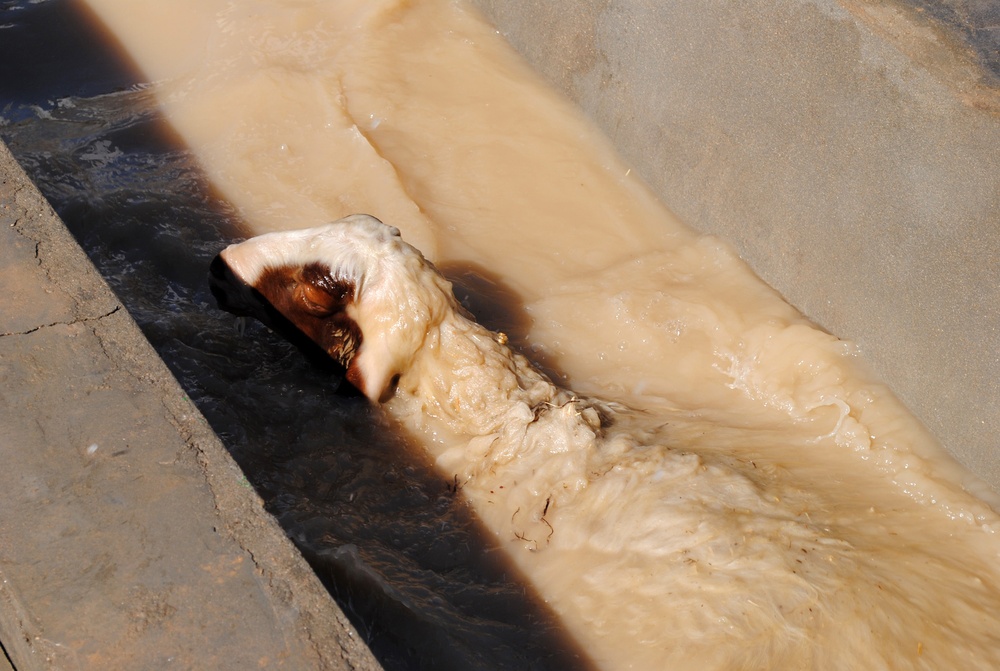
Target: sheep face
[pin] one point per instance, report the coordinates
(352, 289)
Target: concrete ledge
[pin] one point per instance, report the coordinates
(129, 539)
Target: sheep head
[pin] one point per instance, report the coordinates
(351, 288)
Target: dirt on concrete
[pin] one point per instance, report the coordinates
(129, 539)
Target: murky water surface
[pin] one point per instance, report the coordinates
(386, 535)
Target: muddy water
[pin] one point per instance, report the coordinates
(302, 111)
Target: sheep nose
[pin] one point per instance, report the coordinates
(218, 268)
(222, 283)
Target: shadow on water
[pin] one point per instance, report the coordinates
(499, 308)
(392, 542)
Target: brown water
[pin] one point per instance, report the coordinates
(303, 111)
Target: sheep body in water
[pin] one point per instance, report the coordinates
(654, 556)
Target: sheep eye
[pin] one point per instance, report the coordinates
(315, 300)
(314, 307)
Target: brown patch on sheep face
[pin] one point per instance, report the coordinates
(314, 301)
(304, 304)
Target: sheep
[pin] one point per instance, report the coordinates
(654, 556)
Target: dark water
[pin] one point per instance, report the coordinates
(391, 540)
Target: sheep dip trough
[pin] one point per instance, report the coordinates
(625, 304)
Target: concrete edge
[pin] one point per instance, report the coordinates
(239, 510)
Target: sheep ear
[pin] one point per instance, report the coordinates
(373, 372)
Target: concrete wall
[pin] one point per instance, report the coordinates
(851, 152)
(129, 537)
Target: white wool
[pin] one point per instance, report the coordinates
(654, 557)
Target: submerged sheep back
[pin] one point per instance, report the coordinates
(693, 540)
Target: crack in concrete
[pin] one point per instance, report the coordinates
(36, 250)
(80, 320)
(36, 244)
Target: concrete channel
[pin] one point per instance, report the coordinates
(850, 150)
